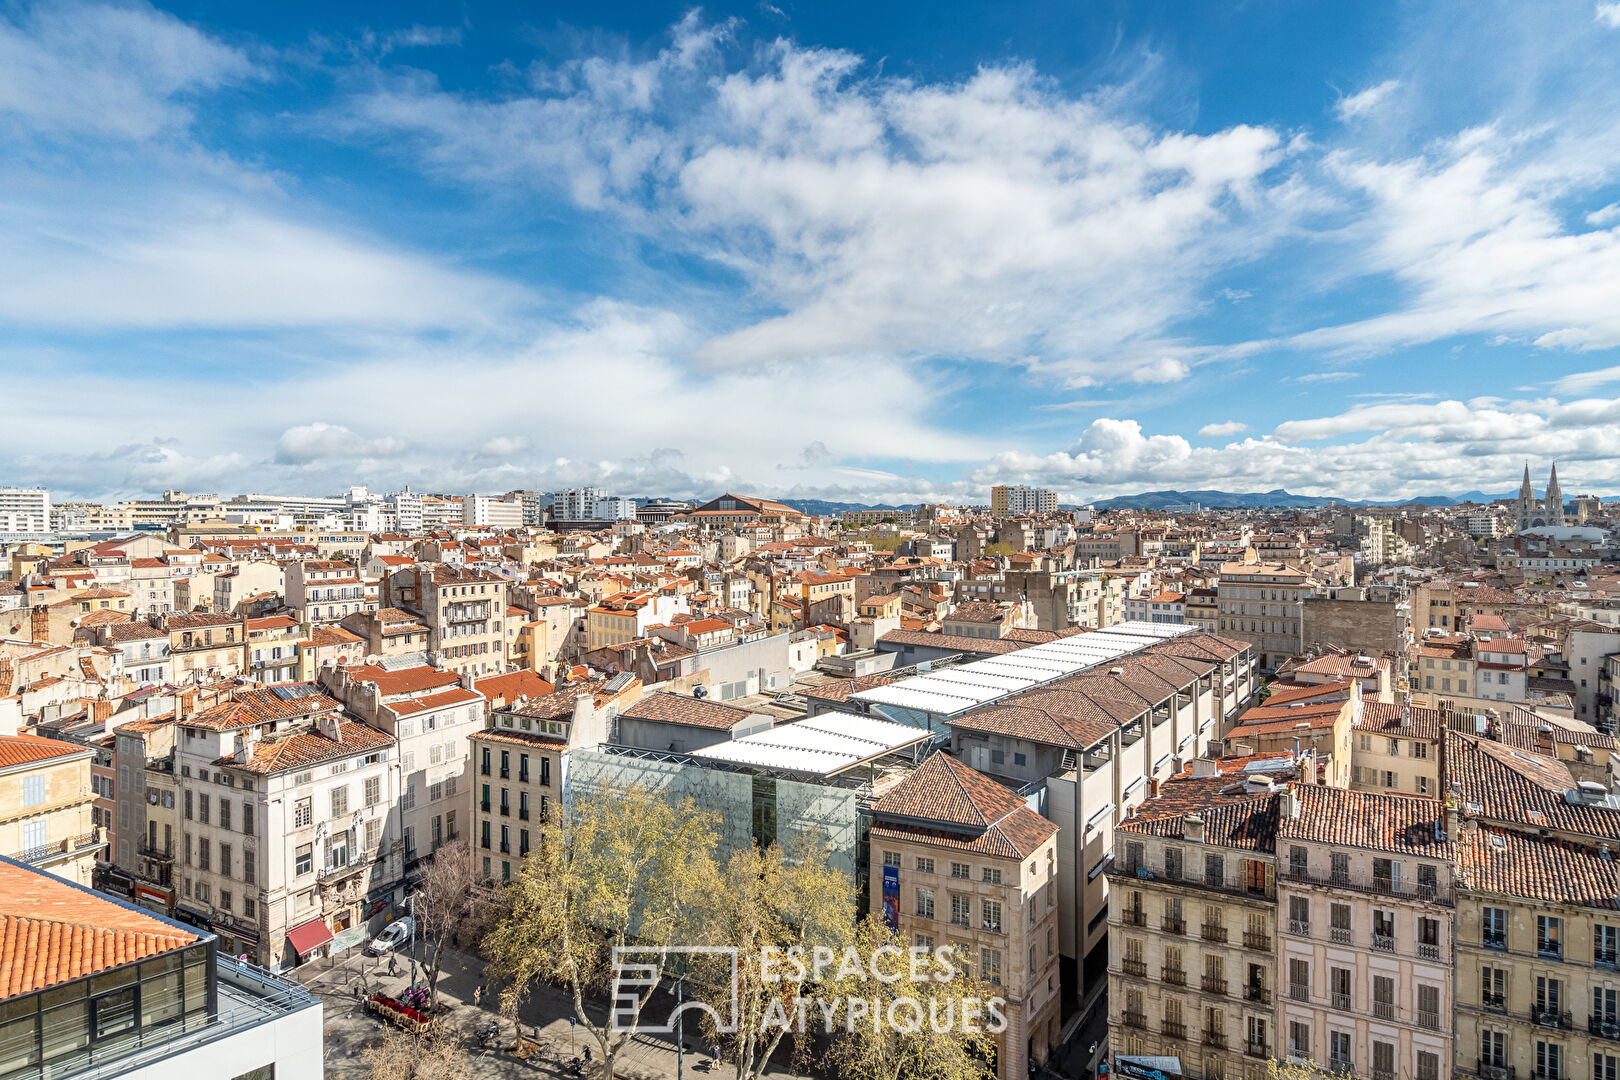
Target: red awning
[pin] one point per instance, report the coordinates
(308, 937)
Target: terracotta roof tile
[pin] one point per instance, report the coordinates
(687, 711)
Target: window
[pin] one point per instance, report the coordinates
(1383, 1055)
(1298, 861)
(991, 875)
(990, 966)
(1340, 1052)
(891, 858)
(186, 800)
(1549, 936)
(991, 912)
(1493, 1049)
(961, 870)
(1493, 928)
(1549, 1059)
(373, 790)
(1299, 915)
(303, 859)
(925, 903)
(925, 866)
(250, 871)
(340, 800)
(225, 814)
(303, 813)
(202, 807)
(205, 851)
(225, 860)
(1172, 863)
(1492, 987)
(961, 909)
(1299, 1039)
(1605, 1067)
(1341, 866)
(1606, 945)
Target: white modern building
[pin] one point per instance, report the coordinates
(25, 510)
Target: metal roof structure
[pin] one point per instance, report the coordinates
(980, 682)
(818, 746)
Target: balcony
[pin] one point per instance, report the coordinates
(1494, 1002)
(1340, 1001)
(1211, 932)
(1215, 1039)
(1550, 1018)
(44, 854)
(1212, 985)
(484, 806)
(1173, 1029)
(1173, 976)
(1133, 917)
(1605, 958)
(155, 854)
(1494, 941)
(1549, 950)
(1383, 943)
(1253, 940)
(1298, 992)
(1133, 1020)
(1257, 1050)
(1428, 1019)
(1172, 926)
(1426, 951)
(1411, 890)
(1299, 927)
(1604, 1026)
(1491, 1071)
(1384, 1010)
(1340, 935)
(1136, 968)
(1383, 1074)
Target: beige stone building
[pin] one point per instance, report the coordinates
(45, 804)
(464, 610)
(1364, 907)
(1538, 944)
(1263, 604)
(1396, 749)
(204, 647)
(964, 862)
(1192, 927)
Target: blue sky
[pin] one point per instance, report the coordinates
(831, 250)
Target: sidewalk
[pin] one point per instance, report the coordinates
(349, 1029)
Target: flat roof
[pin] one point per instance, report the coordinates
(979, 682)
(818, 746)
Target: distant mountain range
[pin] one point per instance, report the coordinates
(1226, 500)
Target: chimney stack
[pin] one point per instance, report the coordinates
(1192, 828)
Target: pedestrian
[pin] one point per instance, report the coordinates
(478, 994)
(393, 964)
(587, 1053)
(241, 964)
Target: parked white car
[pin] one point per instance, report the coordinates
(392, 937)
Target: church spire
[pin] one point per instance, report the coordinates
(1555, 498)
(1526, 492)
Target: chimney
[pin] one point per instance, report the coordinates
(1192, 828)
(1288, 803)
(327, 724)
(1452, 821)
(1203, 767)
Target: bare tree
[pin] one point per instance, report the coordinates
(621, 867)
(443, 904)
(404, 1056)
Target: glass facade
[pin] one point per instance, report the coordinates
(90, 1021)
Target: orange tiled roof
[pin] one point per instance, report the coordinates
(52, 932)
(29, 749)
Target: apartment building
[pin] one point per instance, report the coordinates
(1538, 957)
(1365, 913)
(25, 510)
(45, 806)
(430, 712)
(328, 590)
(204, 647)
(145, 650)
(1323, 724)
(1193, 923)
(464, 610)
(1396, 749)
(518, 761)
(287, 822)
(966, 863)
(147, 805)
(272, 647)
(492, 512)
(1262, 604)
(1010, 500)
(626, 616)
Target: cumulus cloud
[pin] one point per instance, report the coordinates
(1609, 15)
(309, 443)
(1049, 226)
(504, 445)
(1229, 427)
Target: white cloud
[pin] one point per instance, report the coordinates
(1357, 105)
(310, 443)
(1229, 427)
(1609, 15)
(993, 219)
(1326, 376)
(505, 445)
(124, 71)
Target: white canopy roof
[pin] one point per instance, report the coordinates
(820, 745)
(978, 682)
